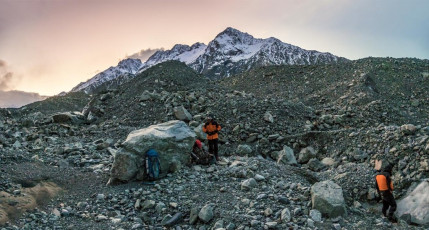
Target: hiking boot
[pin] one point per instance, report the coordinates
(392, 219)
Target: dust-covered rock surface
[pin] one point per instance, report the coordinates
(285, 129)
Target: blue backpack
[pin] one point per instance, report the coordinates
(152, 165)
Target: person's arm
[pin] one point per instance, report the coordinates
(389, 183)
(204, 128)
(378, 191)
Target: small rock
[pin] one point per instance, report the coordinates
(206, 213)
(268, 212)
(285, 215)
(316, 215)
(259, 177)
(248, 184)
(148, 204)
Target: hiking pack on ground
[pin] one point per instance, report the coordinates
(151, 165)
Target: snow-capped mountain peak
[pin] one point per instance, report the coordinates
(183, 53)
(230, 52)
(126, 66)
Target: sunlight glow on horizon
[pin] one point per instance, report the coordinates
(51, 46)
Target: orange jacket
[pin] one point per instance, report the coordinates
(384, 182)
(211, 128)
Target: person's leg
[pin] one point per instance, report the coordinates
(385, 205)
(216, 149)
(211, 146)
(384, 209)
(392, 204)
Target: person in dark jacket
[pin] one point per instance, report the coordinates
(212, 128)
(384, 186)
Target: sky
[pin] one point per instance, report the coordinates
(49, 46)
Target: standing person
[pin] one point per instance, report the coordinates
(384, 186)
(212, 128)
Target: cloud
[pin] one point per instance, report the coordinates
(144, 54)
(6, 77)
(2, 63)
(16, 99)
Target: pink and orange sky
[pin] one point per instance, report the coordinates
(49, 46)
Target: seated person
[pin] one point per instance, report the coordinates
(199, 155)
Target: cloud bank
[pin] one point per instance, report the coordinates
(5, 76)
(16, 99)
(144, 54)
(13, 98)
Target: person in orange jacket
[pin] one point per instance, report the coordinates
(212, 128)
(384, 186)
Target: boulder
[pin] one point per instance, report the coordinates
(327, 161)
(315, 165)
(199, 132)
(416, 205)
(315, 215)
(182, 114)
(285, 215)
(268, 117)
(73, 117)
(206, 213)
(172, 140)
(327, 197)
(408, 129)
(286, 156)
(244, 150)
(248, 184)
(306, 154)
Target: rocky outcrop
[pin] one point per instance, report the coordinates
(172, 140)
(327, 197)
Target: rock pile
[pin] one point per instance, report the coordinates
(290, 136)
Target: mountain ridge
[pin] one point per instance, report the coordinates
(230, 52)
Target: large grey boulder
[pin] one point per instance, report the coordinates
(286, 156)
(327, 197)
(416, 204)
(199, 132)
(172, 140)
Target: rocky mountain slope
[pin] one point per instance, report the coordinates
(231, 52)
(335, 120)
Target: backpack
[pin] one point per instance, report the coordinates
(151, 165)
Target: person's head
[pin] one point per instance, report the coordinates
(210, 117)
(388, 168)
(198, 143)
